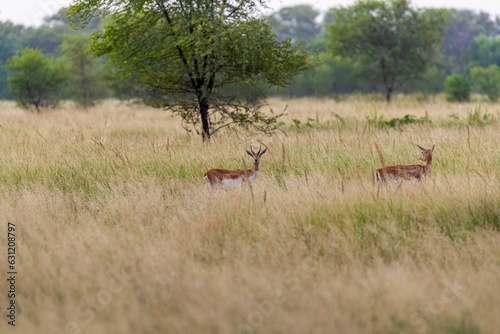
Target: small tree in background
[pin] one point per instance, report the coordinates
(487, 80)
(392, 40)
(36, 80)
(458, 88)
(86, 84)
(297, 23)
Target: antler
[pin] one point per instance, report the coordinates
(252, 153)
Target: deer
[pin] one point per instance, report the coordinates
(225, 178)
(407, 172)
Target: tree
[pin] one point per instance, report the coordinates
(61, 18)
(391, 39)
(187, 51)
(460, 35)
(36, 79)
(484, 52)
(487, 80)
(46, 39)
(297, 22)
(9, 44)
(86, 83)
(329, 77)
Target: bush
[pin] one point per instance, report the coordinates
(458, 88)
(36, 80)
(487, 80)
(379, 121)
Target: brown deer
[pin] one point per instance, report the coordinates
(225, 178)
(407, 172)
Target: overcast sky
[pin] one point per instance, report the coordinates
(32, 12)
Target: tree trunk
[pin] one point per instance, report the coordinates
(388, 85)
(388, 94)
(203, 104)
(37, 106)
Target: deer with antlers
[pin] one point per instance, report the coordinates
(225, 178)
(407, 172)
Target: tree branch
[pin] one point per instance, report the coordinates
(181, 53)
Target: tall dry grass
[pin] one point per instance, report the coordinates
(118, 233)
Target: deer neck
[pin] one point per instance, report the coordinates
(251, 174)
(255, 167)
(428, 166)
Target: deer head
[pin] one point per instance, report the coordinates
(256, 155)
(426, 153)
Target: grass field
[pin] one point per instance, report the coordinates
(117, 231)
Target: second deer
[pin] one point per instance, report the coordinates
(407, 172)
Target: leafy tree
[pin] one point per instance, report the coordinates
(61, 18)
(390, 38)
(329, 77)
(458, 88)
(86, 84)
(46, 39)
(487, 80)
(125, 89)
(36, 79)
(297, 22)
(484, 52)
(465, 26)
(432, 81)
(187, 51)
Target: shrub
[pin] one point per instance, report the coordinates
(487, 80)
(458, 88)
(36, 80)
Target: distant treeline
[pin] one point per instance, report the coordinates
(471, 39)
(471, 44)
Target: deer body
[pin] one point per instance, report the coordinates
(407, 172)
(226, 178)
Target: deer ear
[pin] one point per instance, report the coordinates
(262, 153)
(249, 153)
(432, 149)
(421, 148)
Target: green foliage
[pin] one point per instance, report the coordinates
(461, 34)
(475, 117)
(311, 123)
(36, 80)
(86, 83)
(484, 51)
(187, 52)
(393, 40)
(298, 23)
(46, 39)
(487, 80)
(251, 93)
(125, 89)
(8, 46)
(432, 80)
(458, 88)
(379, 121)
(329, 77)
(478, 118)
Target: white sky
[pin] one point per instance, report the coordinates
(32, 12)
